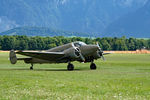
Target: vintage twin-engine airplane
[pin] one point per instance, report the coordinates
(75, 51)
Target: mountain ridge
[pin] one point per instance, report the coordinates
(43, 31)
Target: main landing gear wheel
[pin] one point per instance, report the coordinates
(31, 68)
(93, 66)
(70, 67)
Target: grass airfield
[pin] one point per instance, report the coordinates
(120, 77)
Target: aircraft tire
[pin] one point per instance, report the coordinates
(70, 67)
(93, 66)
(31, 68)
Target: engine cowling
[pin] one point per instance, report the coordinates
(97, 55)
(72, 53)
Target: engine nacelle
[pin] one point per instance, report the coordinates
(96, 55)
(72, 53)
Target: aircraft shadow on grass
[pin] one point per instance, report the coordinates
(23, 69)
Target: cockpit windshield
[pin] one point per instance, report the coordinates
(79, 44)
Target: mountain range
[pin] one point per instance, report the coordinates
(44, 31)
(109, 18)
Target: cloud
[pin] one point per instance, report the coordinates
(63, 1)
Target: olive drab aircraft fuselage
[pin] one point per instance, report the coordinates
(75, 51)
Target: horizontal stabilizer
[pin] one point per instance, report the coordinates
(24, 58)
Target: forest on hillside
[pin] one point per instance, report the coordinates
(43, 31)
(44, 43)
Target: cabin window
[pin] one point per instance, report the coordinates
(79, 44)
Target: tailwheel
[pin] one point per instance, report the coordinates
(70, 67)
(31, 68)
(93, 66)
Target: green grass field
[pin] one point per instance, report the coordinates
(121, 77)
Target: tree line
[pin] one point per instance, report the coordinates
(44, 43)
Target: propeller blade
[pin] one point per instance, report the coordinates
(103, 58)
(82, 58)
(73, 45)
(97, 45)
(101, 52)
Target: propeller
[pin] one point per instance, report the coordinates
(100, 52)
(82, 58)
(79, 51)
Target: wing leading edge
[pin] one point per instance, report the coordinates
(42, 55)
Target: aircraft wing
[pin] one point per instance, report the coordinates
(42, 55)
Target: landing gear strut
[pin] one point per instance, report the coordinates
(93, 66)
(70, 67)
(31, 68)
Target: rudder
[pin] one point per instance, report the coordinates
(12, 57)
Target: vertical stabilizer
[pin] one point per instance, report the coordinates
(12, 57)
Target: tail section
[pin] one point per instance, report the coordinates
(12, 57)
